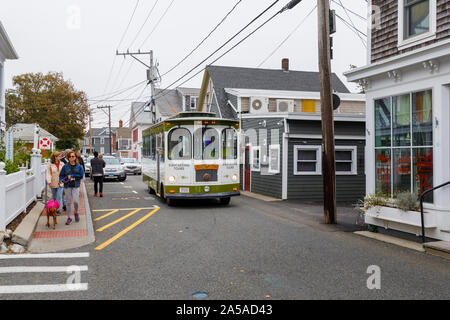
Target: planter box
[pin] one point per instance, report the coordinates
(411, 218)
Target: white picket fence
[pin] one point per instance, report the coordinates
(18, 190)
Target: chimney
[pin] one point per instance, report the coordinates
(120, 123)
(285, 64)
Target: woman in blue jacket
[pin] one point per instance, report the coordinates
(71, 175)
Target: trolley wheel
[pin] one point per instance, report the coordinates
(170, 202)
(225, 201)
(150, 190)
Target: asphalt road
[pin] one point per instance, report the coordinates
(249, 249)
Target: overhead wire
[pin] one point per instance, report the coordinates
(204, 39)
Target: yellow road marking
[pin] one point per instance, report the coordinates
(104, 210)
(118, 220)
(120, 234)
(115, 199)
(107, 215)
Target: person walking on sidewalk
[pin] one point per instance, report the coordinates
(52, 176)
(80, 160)
(71, 175)
(97, 173)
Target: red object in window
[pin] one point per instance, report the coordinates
(135, 155)
(135, 135)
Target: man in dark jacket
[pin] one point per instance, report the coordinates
(97, 166)
(80, 160)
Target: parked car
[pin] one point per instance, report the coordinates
(87, 165)
(113, 169)
(131, 165)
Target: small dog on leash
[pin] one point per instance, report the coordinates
(52, 210)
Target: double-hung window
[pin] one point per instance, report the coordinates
(416, 21)
(345, 158)
(307, 160)
(256, 158)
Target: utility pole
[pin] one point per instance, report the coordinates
(110, 135)
(151, 74)
(90, 133)
(328, 152)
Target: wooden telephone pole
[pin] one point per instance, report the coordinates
(326, 97)
(110, 135)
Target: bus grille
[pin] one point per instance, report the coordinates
(206, 175)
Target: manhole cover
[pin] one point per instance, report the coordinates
(200, 295)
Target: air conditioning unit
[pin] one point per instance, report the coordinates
(259, 105)
(285, 105)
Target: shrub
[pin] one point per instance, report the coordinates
(373, 200)
(11, 167)
(407, 201)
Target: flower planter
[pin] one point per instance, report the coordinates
(411, 218)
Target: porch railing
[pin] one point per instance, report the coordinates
(422, 198)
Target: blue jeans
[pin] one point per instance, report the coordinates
(57, 195)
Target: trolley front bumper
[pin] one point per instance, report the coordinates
(203, 195)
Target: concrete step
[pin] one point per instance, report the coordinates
(438, 248)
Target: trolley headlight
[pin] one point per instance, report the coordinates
(235, 177)
(207, 189)
(172, 179)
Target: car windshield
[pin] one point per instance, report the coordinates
(129, 160)
(111, 160)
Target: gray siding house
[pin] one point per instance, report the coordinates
(281, 137)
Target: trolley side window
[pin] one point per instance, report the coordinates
(229, 144)
(206, 144)
(180, 144)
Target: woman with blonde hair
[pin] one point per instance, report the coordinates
(52, 176)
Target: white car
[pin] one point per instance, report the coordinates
(113, 169)
(130, 165)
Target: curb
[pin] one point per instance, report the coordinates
(392, 240)
(89, 222)
(24, 232)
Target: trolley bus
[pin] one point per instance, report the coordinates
(193, 155)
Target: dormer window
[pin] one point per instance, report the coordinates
(194, 103)
(416, 22)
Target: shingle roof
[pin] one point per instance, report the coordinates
(25, 132)
(168, 100)
(141, 117)
(265, 79)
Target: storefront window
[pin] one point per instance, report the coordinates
(383, 123)
(401, 122)
(409, 127)
(383, 164)
(402, 171)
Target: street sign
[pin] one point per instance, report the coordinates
(9, 141)
(44, 143)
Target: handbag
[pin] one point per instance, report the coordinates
(71, 183)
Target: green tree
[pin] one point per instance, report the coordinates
(50, 101)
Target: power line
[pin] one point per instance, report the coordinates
(146, 19)
(287, 38)
(290, 5)
(120, 42)
(351, 21)
(355, 30)
(212, 31)
(223, 45)
(157, 24)
(356, 14)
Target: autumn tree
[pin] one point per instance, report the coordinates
(50, 101)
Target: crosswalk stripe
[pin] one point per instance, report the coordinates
(43, 288)
(45, 256)
(23, 269)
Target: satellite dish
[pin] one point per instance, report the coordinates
(336, 101)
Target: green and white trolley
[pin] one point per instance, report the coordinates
(193, 155)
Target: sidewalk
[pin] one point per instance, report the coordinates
(64, 237)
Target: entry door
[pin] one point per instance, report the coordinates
(247, 170)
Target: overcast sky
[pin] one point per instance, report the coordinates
(79, 38)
